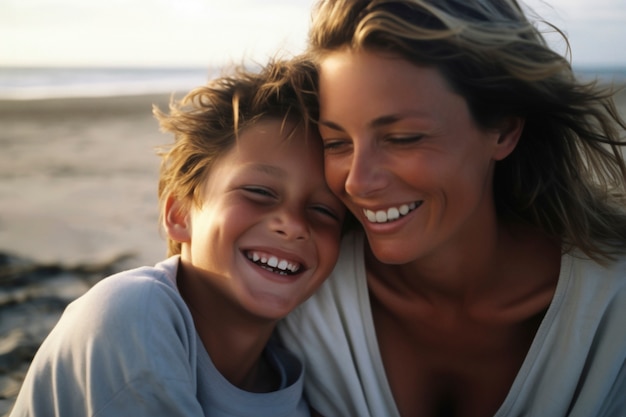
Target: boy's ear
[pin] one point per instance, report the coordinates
(509, 134)
(176, 221)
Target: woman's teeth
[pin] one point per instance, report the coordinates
(272, 263)
(391, 214)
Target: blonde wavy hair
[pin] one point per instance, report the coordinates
(206, 122)
(567, 175)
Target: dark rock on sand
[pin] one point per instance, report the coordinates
(32, 298)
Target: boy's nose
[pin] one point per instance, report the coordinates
(291, 224)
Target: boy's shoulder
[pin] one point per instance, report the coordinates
(138, 281)
(128, 296)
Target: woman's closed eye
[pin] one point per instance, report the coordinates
(334, 145)
(404, 140)
(339, 145)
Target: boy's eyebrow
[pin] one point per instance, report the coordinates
(269, 169)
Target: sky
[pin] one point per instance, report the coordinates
(182, 33)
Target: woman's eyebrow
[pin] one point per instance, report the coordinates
(331, 125)
(379, 121)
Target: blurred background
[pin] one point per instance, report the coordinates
(183, 33)
(175, 43)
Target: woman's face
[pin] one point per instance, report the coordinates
(404, 154)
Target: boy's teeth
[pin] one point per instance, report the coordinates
(393, 213)
(273, 262)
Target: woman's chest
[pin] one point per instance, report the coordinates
(456, 370)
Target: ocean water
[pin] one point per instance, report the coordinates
(41, 83)
(615, 74)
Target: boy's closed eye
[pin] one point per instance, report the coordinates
(327, 211)
(259, 193)
(267, 195)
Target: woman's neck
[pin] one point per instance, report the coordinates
(493, 273)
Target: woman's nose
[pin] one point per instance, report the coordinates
(366, 175)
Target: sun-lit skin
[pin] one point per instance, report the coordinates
(456, 293)
(263, 240)
(409, 158)
(265, 203)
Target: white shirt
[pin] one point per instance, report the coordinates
(575, 366)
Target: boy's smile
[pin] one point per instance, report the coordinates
(273, 263)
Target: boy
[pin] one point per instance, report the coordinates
(252, 231)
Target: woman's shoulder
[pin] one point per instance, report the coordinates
(591, 287)
(596, 273)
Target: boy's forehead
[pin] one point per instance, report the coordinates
(275, 128)
(272, 170)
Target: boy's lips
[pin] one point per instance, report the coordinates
(390, 214)
(274, 263)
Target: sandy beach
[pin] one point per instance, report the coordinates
(79, 178)
(78, 202)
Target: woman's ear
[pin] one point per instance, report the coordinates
(509, 134)
(176, 220)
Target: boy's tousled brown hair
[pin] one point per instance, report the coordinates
(206, 123)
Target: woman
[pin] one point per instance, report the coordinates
(490, 185)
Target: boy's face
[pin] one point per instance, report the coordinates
(268, 231)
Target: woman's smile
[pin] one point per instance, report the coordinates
(390, 214)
